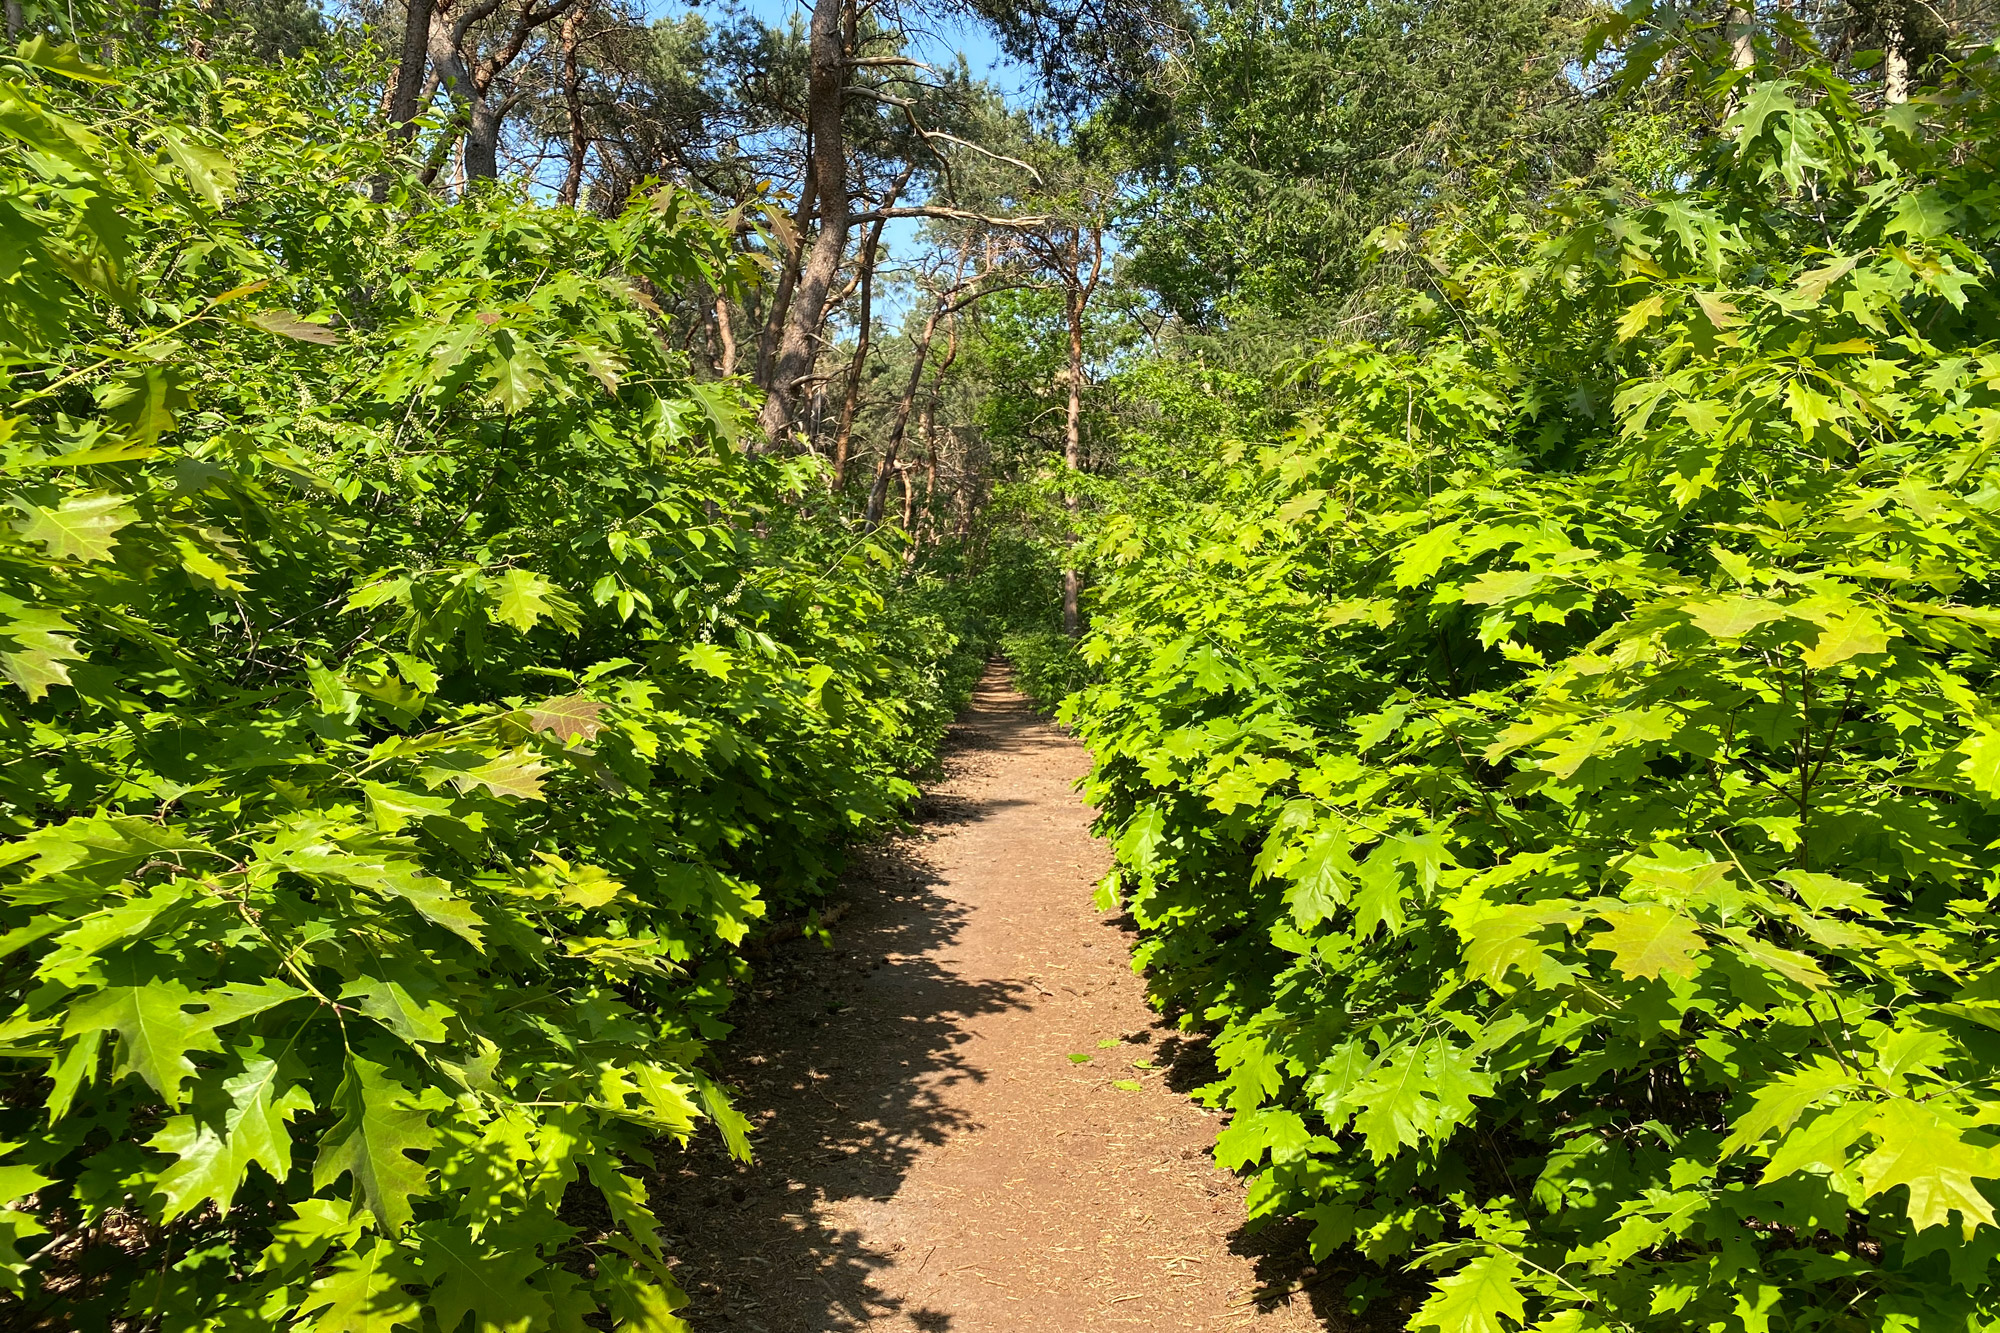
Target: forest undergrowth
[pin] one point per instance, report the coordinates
(417, 695)
(1561, 765)
(1539, 658)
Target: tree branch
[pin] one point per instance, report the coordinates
(942, 213)
(860, 62)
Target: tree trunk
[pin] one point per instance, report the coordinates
(1072, 607)
(482, 140)
(878, 495)
(725, 332)
(826, 81)
(1077, 294)
(472, 93)
(1895, 57)
(927, 429)
(455, 76)
(17, 19)
(851, 399)
(413, 67)
(1739, 26)
(572, 87)
(850, 402)
(788, 277)
(962, 497)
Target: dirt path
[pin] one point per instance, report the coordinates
(931, 1158)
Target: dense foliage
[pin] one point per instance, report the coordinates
(1563, 768)
(1048, 666)
(413, 695)
(1294, 128)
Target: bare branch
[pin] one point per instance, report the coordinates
(953, 215)
(907, 107)
(530, 19)
(984, 152)
(887, 99)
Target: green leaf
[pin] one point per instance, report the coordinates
(213, 1161)
(1253, 1133)
(1733, 617)
(1857, 634)
(1482, 1297)
(205, 1170)
(517, 773)
(35, 647)
(299, 1241)
(1787, 963)
(85, 527)
(1139, 844)
(1812, 286)
(708, 659)
(1981, 760)
(395, 1009)
(1504, 940)
(1421, 557)
(436, 899)
(363, 1291)
(1503, 585)
(734, 1125)
(1821, 1143)
(1829, 893)
(516, 379)
(524, 598)
(394, 808)
(1639, 315)
(65, 59)
(1421, 1091)
(467, 1278)
(1777, 1104)
(604, 363)
(1320, 880)
(1648, 940)
(1717, 309)
(145, 404)
(1932, 1159)
(380, 1124)
(258, 1115)
(209, 173)
(155, 1031)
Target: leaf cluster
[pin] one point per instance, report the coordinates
(1562, 768)
(412, 699)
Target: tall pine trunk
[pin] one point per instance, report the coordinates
(572, 88)
(412, 66)
(826, 80)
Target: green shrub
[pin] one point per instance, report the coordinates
(1564, 772)
(1048, 666)
(414, 696)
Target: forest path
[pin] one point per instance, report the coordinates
(928, 1155)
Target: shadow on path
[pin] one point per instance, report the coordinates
(846, 1060)
(968, 1119)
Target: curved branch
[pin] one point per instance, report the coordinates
(944, 214)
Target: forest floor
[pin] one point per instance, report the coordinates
(929, 1155)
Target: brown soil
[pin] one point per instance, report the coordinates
(929, 1157)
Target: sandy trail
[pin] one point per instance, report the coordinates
(930, 1157)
